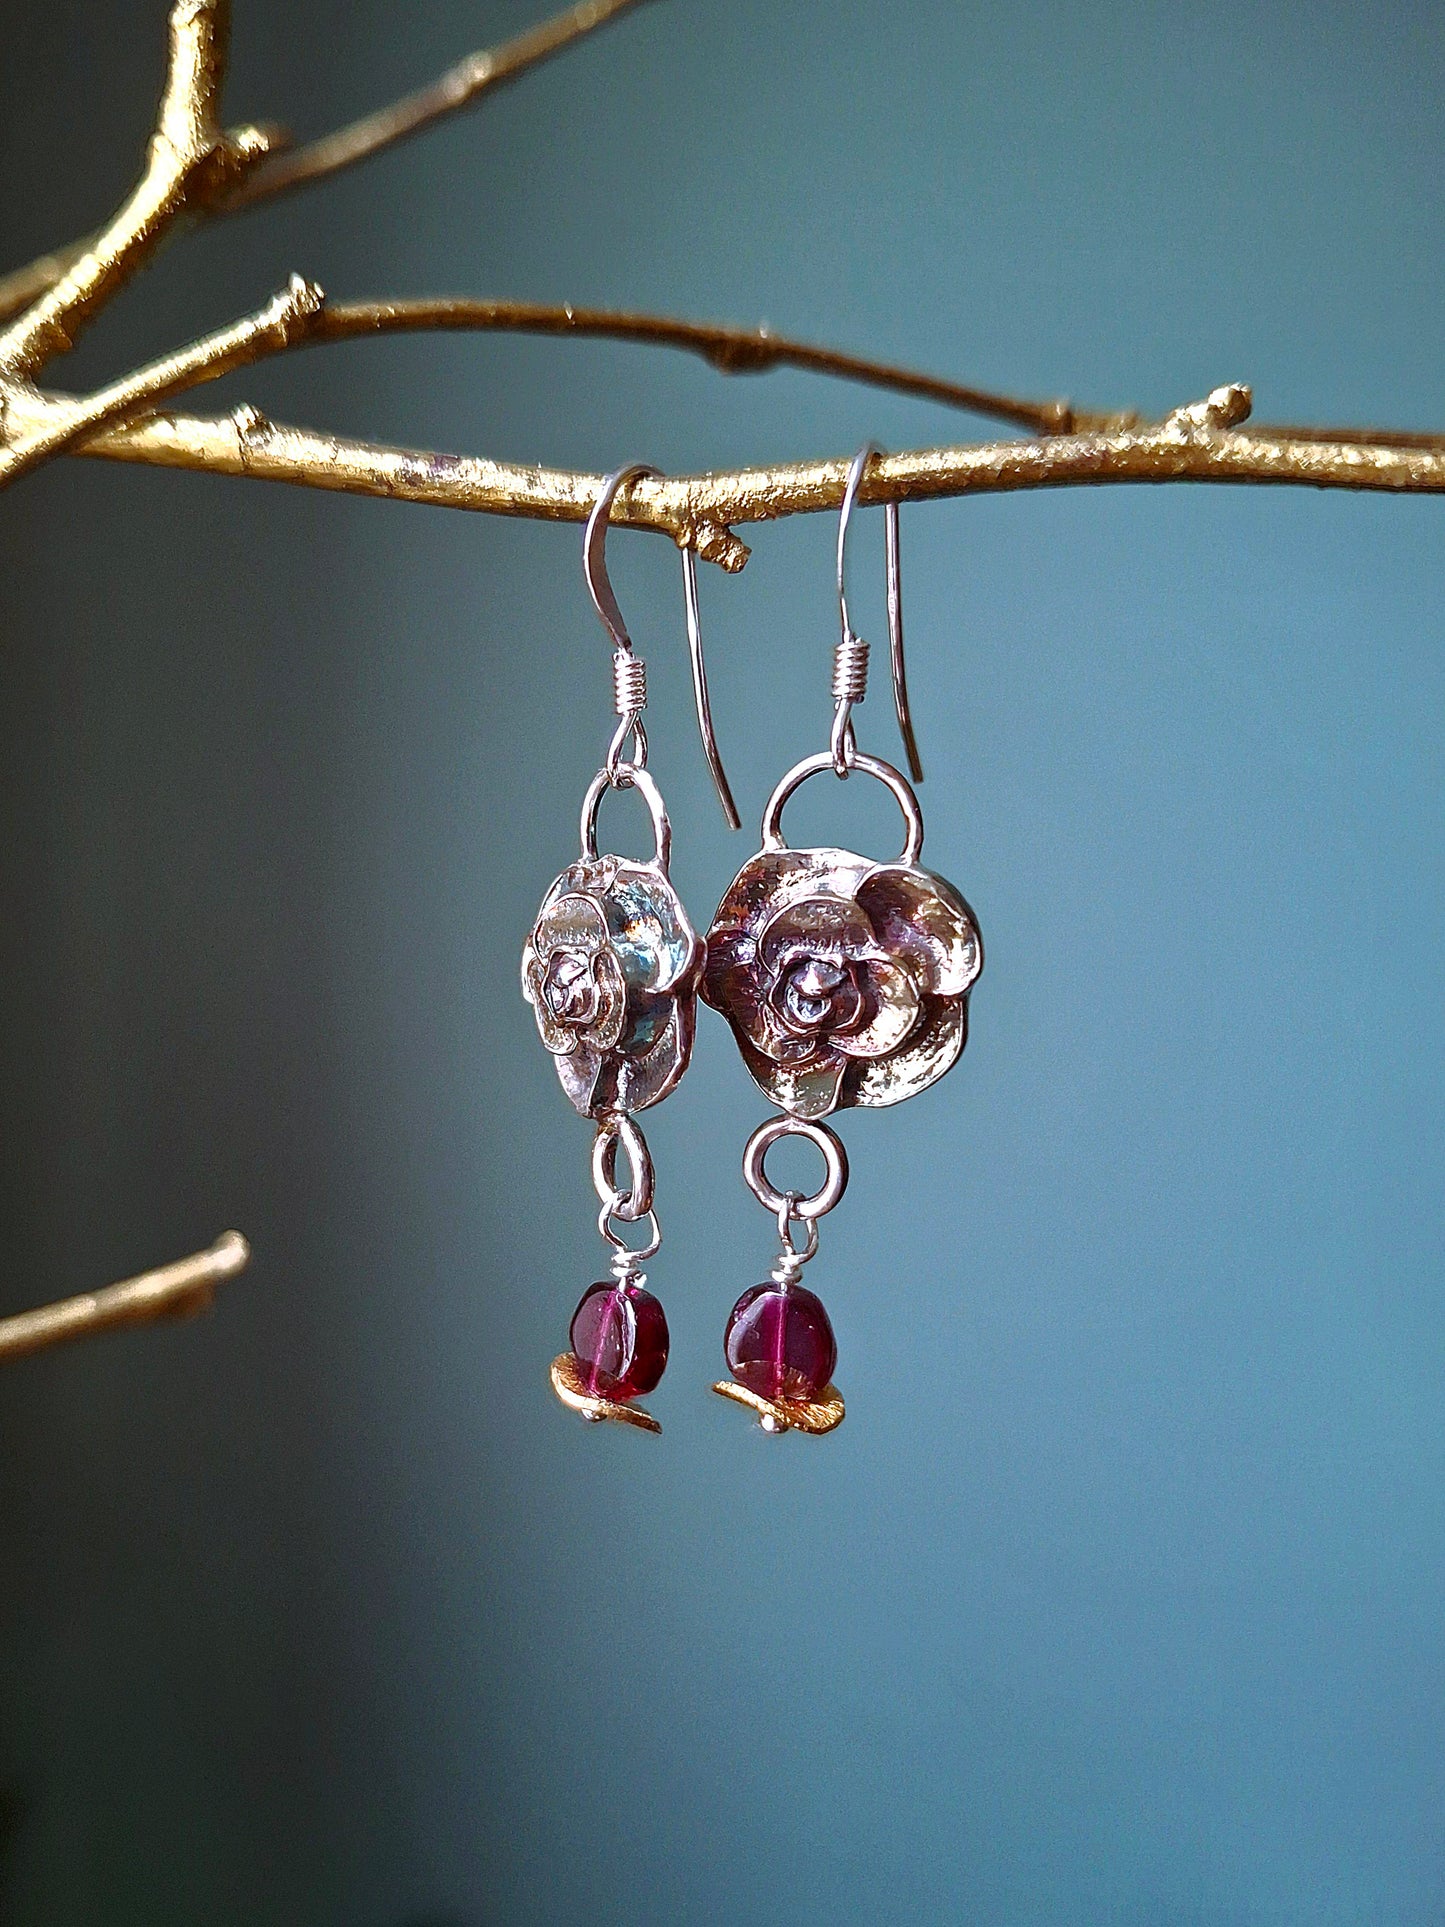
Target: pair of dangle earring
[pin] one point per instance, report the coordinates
(845, 983)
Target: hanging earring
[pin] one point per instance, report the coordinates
(611, 971)
(845, 982)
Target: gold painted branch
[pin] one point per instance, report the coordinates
(174, 1291)
(731, 350)
(1202, 443)
(459, 87)
(58, 424)
(280, 168)
(189, 160)
(194, 170)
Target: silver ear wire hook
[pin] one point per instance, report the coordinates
(850, 656)
(894, 571)
(700, 691)
(629, 672)
(594, 552)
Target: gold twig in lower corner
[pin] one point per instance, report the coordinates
(174, 1291)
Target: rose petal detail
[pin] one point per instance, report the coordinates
(774, 880)
(845, 981)
(922, 918)
(570, 922)
(896, 1012)
(647, 1079)
(807, 1090)
(648, 929)
(816, 926)
(606, 1027)
(611, 963)
(876, 1082)
(585, 1077)
(557, 1037)
(731, 985)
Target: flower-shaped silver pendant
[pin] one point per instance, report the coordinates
(845, 981)
(611, 970)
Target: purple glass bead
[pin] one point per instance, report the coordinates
(619, 1338)
(780, 1342)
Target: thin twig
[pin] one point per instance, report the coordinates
(758, 350)
(282, 169)
(175, 1291)
(734, 351)
(284, 321)
(459, 87)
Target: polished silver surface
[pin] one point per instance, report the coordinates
(893, 570)
(629, 683)
(629, 671)
(629, 1257)
(788, 1265)
(787, 1205)
(700, 695)
(612, 965)
(617, 760)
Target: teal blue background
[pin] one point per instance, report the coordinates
(1118, 1597)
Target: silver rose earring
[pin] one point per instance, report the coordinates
(611, 971)
(845, 982)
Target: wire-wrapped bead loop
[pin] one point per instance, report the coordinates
(629, 1257)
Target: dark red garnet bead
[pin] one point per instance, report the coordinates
(619, 1338)
(780, 1342)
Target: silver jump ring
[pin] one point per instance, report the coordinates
(627, 776)
(649, 1250)
(632, 1202)
(892, 779)
(835, 1161)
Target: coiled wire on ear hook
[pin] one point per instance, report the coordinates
(850, 652)
(629, 671)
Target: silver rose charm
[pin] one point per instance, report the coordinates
(611, 970)
(845, 981)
